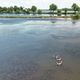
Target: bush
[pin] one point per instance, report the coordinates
(76, 16)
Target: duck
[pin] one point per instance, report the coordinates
(59, 60)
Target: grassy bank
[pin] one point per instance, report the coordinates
(74, 17)
(35, 17)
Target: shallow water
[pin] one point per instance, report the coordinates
(28, 47)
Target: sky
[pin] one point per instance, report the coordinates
(41, 4)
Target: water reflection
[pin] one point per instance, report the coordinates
(27, 49)
(74, 22)
(53, 21)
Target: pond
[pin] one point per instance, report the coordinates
(28, 47)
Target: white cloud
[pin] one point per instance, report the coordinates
(38, 3)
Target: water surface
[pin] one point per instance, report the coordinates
(28, 47)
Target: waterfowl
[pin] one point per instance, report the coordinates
(59, 60)
(59, 63)
(58, 57)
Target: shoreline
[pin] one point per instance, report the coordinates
(42, 17)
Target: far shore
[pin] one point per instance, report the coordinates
(35, 17)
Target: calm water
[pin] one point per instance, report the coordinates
(28, 47)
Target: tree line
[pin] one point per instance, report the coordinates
(18, 10)
(33, 10)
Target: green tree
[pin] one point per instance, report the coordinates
(4, 9)
(28, 11)
(75, 7)
(65, 11)
(39, 11)
(16, 10)
(33, 9)
(59, 12)
(10, 10)
(53, 7)
(21, 9)
(0, 9)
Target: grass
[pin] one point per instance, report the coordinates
(74, 16)
(35, 17)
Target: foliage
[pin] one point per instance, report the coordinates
(39, 11)
(33, 9)
(75, 7)
(28, 11)
(65, 11)
(52, 7)
(76, 16)
(59, 12)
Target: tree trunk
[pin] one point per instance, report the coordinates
(53, 13)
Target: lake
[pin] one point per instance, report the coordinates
(28, 48)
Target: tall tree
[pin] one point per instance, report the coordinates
(53, 7)
(65, 11)
(10, 10)
(33, 9)
(75, 7)
(28, 10)
(21, 9)
(16, 10)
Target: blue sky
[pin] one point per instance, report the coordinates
(42, 4)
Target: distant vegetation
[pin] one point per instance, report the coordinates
(53, 9)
